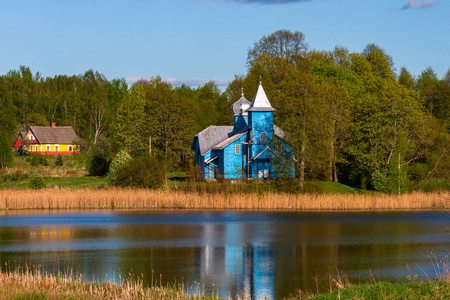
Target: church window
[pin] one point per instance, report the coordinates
(237, 149)
(262, 136)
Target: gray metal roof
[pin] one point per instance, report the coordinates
(54, 135)
(278, 131)
(229, 140)
(211, 136)
(239, 107)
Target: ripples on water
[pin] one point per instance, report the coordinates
(243, 252)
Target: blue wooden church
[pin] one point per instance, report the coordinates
(252, 148)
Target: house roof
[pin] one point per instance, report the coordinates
(260, 101)
(54, 135)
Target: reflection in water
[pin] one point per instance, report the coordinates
(254, 254)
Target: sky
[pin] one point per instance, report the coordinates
(194, 41)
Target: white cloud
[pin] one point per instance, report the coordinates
(181, 81)
(416, 4)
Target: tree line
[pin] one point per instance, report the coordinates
(349, 117)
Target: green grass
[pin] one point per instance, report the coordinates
(63, 182)
(439, 289)
(324, 187)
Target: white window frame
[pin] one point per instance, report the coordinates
(262, 137)
(56, 147)
(48, 148)
(70, 148)
(237, 149)
(36, 148)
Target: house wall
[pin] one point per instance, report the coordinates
(63, 149)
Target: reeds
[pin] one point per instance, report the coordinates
(34, 283)
(117, 198)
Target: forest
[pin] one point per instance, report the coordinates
(350, 117)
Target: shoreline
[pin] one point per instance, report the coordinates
(141, 199)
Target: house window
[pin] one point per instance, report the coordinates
(56, 148)
(36, 148)
(70, 148)
(48, 148)
(262, 136)
(237, 149)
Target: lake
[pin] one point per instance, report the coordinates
(252, 253)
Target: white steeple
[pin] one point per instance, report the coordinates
(260, 101)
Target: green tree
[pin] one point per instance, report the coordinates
(283, 44)
(119, 161)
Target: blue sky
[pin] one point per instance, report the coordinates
(194, 41)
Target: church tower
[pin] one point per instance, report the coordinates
(239, 109)
(260, 120)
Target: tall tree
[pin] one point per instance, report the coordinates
(282, 44)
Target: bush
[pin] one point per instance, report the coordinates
(433, 185)
(121, 159)
(35, 160)
(380, 181)
(98, 165)
(36, 182)
(59, 161)
(142, 172)
(43, 160)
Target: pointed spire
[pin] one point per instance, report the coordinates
(260, 101)
(242, 92)
(260, 81)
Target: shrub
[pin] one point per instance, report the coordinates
(142, 172)
(121, 159)
(98, 165)
(433, 185)
(379, 181)
(36, 182)
(35, 160)
(43, 160)
(59, 161)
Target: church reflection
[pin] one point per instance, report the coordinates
(249, 268)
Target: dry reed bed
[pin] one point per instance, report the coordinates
(142, 199)
(34, 283)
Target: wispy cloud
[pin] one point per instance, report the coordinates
(181, 81)
(417, 4)
(268, 2)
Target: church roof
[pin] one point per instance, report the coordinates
(211, 136)
(231, 139)
(239, 107)
(260, 101)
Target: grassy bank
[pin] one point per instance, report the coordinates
(34, 284)
(144, 199)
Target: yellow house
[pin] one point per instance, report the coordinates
(51, 140)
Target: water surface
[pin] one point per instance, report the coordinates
(239, 252)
